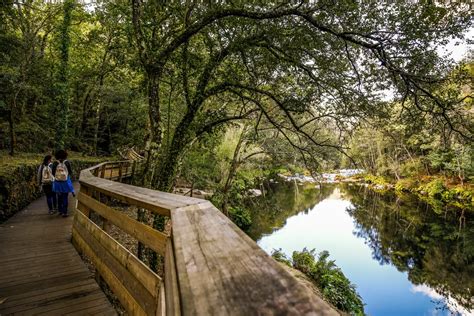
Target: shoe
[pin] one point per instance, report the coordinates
(50, 212)
(65, 215)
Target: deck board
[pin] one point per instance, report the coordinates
(41, 272)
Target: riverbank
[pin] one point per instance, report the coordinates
(395, 248)
(18, 186)
(438, 191)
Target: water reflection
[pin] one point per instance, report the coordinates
(432, 248)
(282, 201)
(404, 258)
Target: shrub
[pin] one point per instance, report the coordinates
(411, 168)
(406, 185)
(434, 188)
(279, 256)
(241, 217)
(377, 180)
(324, 273)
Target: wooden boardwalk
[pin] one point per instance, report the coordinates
(40, 270)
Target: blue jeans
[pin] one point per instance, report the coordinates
(51, 197)
(62, 202)
(52, 201)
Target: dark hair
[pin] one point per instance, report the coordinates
(46, 159)
(61, 154)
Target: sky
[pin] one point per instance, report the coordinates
(458, 52)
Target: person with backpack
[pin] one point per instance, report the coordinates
(45, 179)
(62, 184)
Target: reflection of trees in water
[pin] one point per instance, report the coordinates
(408, 234)
(283, 200)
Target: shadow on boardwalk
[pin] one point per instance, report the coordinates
(40, 270)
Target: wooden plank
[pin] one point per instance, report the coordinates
(67, 298)
(114, 283)
(161, 309)
(34, 301)
(40, 294)
(221, 271)
(70, 304)
(144, 233)
(150, 280)
(171, 282)
(78, 308)
(44, 284)
(155, 201)
(31, 277)
(87, 191)
(137, 291)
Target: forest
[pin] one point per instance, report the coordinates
(211, 93)
(222, 96)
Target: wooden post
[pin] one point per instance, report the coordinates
(133, 172)
(80, 206)
(102, 171)
(120, 172)
(112, 171)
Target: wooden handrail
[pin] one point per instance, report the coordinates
(211, 266)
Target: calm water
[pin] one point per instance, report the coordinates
(404, 258)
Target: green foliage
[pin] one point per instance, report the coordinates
(406, 185)
(441, 197)
(376, 180)
(411, 167)
(334, 285)
(434, 188)
(280, 256)
(241, 217)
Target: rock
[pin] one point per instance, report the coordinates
(255, 192)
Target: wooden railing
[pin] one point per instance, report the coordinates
(211, 267)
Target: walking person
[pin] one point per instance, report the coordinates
(45, 179)
(62, 184)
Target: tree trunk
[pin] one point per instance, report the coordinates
(63, 84)
(154, 129)
(84, 113)
(97, 125)
(232, 171)
(11, 124)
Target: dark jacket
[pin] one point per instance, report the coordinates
(68, 166)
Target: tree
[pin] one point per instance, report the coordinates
(24, 34)
(62, 84)
(291, 65)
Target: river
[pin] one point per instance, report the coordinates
(404, 258)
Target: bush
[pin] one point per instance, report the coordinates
(411, 168)
(241, 217)
(434, 188)
(377, 180)
(406, 185)
(324, 273)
